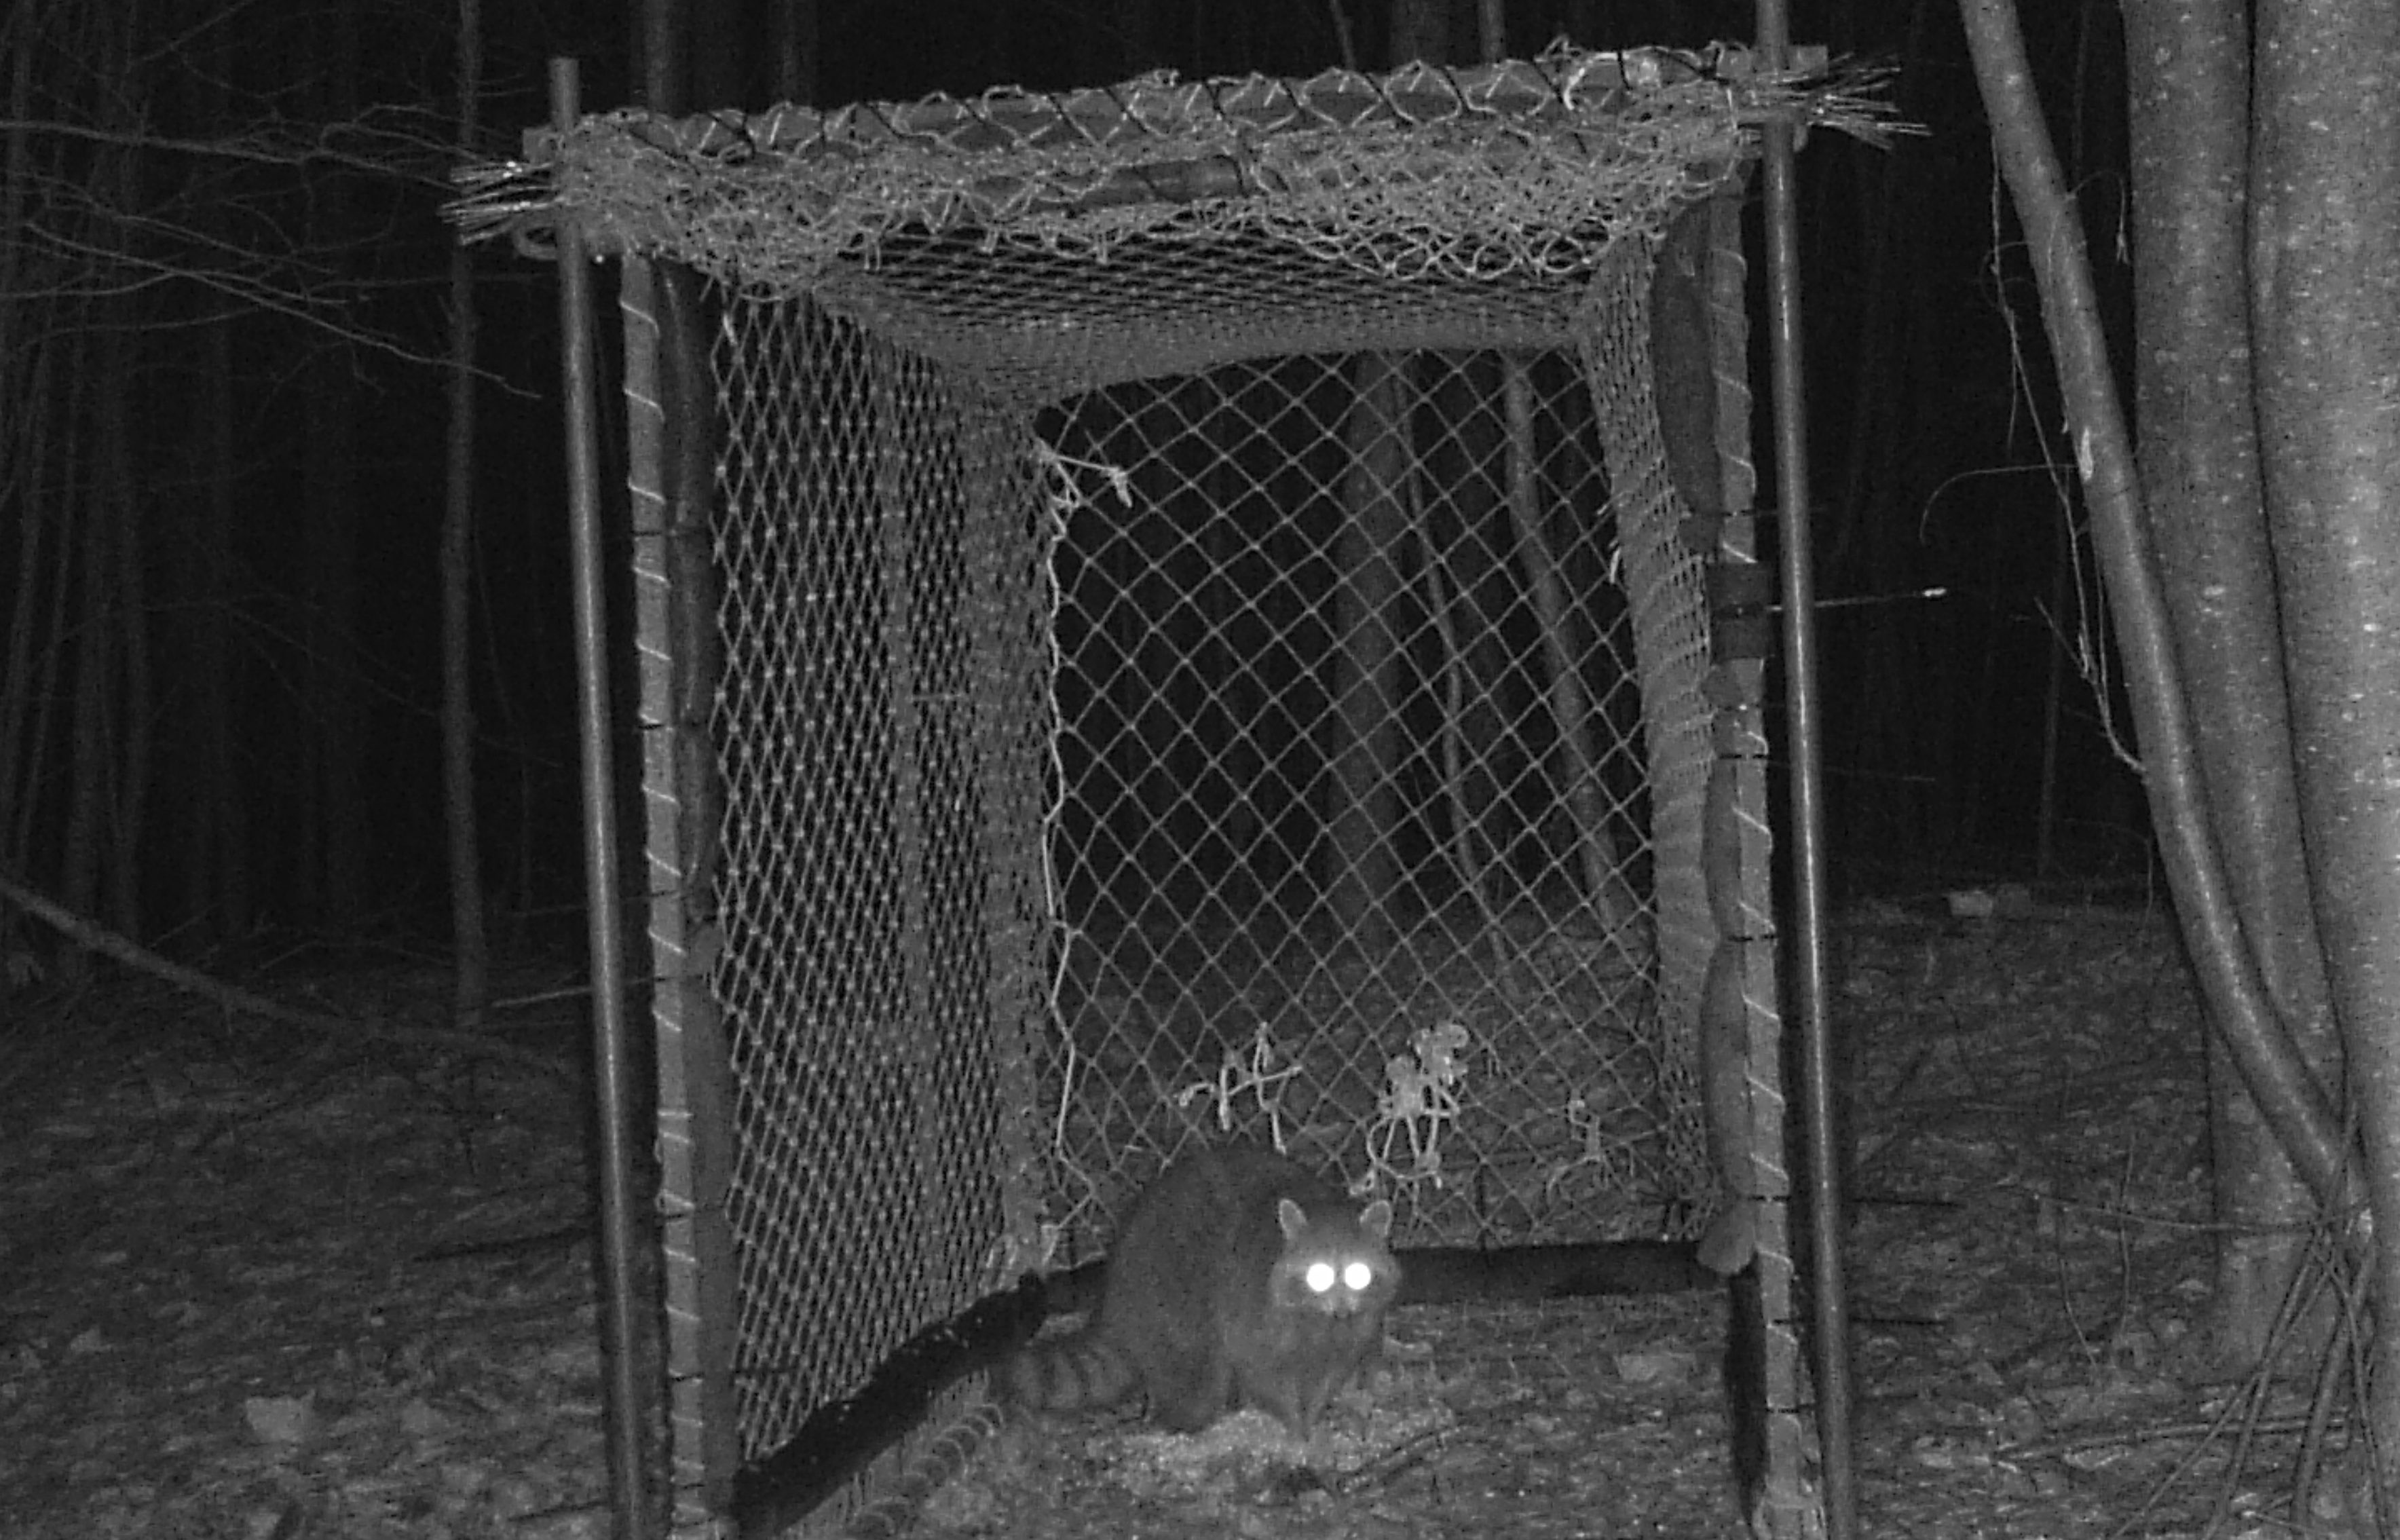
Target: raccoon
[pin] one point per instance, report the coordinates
(1239, 1279)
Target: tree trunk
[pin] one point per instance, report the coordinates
(93, 649)
(797, 48)
(1366, 806)
(333, 876)
(1134, 41)
(2269, 1062)
(212, 798)
(1420, 33)
(1467, 535)
(133, 704)
(30, 666)
(2325, 275)
(23, 370)
(470, 945)
(2189, 94)
(1365, 758)
(1575, 756)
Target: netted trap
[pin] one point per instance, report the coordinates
(1173, 612)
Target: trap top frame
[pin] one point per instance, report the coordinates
(1521, 174)
(1537, 166)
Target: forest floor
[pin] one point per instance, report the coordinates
(260, 1284)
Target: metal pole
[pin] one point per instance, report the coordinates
(611, 1062)
(1808, 818)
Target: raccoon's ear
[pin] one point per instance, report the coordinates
(1376, 1218)
(1292, 1216)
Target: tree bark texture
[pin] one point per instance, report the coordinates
(470, 943)
(2189, 92)
(2271, 1064)
(2325, 274)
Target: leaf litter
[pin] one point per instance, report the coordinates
(226, 1313)
(222, 1316)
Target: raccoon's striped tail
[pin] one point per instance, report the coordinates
(1068, 1373)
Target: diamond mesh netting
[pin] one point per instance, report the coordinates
(1200, 638)
(863, 774)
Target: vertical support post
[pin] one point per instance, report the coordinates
(678, 666)
(1802, 739)
(611, 1062)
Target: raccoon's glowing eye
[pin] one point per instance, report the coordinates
(1356, 1276)
(1319, 1277)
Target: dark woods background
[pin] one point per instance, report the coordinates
(223, 323)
